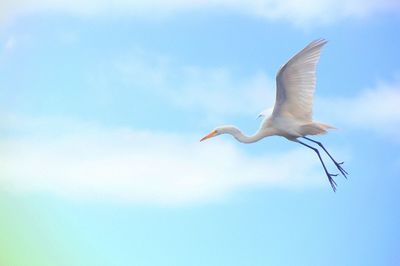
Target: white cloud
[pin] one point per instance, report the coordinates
(375, 109)
(142, 167)
(300, 12)
(90, 161)
(216, 91)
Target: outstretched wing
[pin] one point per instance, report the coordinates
(295, 83)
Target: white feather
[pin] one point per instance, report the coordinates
(296, 82)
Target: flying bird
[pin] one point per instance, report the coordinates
(291, 116)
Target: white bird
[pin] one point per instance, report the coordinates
(292, 114)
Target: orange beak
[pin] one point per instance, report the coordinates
(212, 134)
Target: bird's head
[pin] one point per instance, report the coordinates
(265, 113)
(221, 130)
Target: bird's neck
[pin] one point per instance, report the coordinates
(237, 134)
(247, 139)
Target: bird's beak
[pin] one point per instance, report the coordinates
(212, 134)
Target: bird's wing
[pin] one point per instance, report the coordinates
(295, 83)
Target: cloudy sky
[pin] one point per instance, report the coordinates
(103, 104)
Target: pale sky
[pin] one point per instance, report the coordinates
(103, 105)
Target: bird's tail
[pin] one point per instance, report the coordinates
(315, 128)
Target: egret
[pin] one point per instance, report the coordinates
(291, 116)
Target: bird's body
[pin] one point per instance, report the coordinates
(291, 116)
(277, 126)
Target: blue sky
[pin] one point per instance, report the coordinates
(103, 105)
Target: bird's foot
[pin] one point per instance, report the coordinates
(340, 168)
(331, 181)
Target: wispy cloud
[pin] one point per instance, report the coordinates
(219, 93)
(299, 12)
(93, 162)
(375, 109)
(85, 160)
(209, 90)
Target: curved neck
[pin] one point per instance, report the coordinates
(237, 134)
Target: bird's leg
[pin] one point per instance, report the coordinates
(329, 175)
(338, 165)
